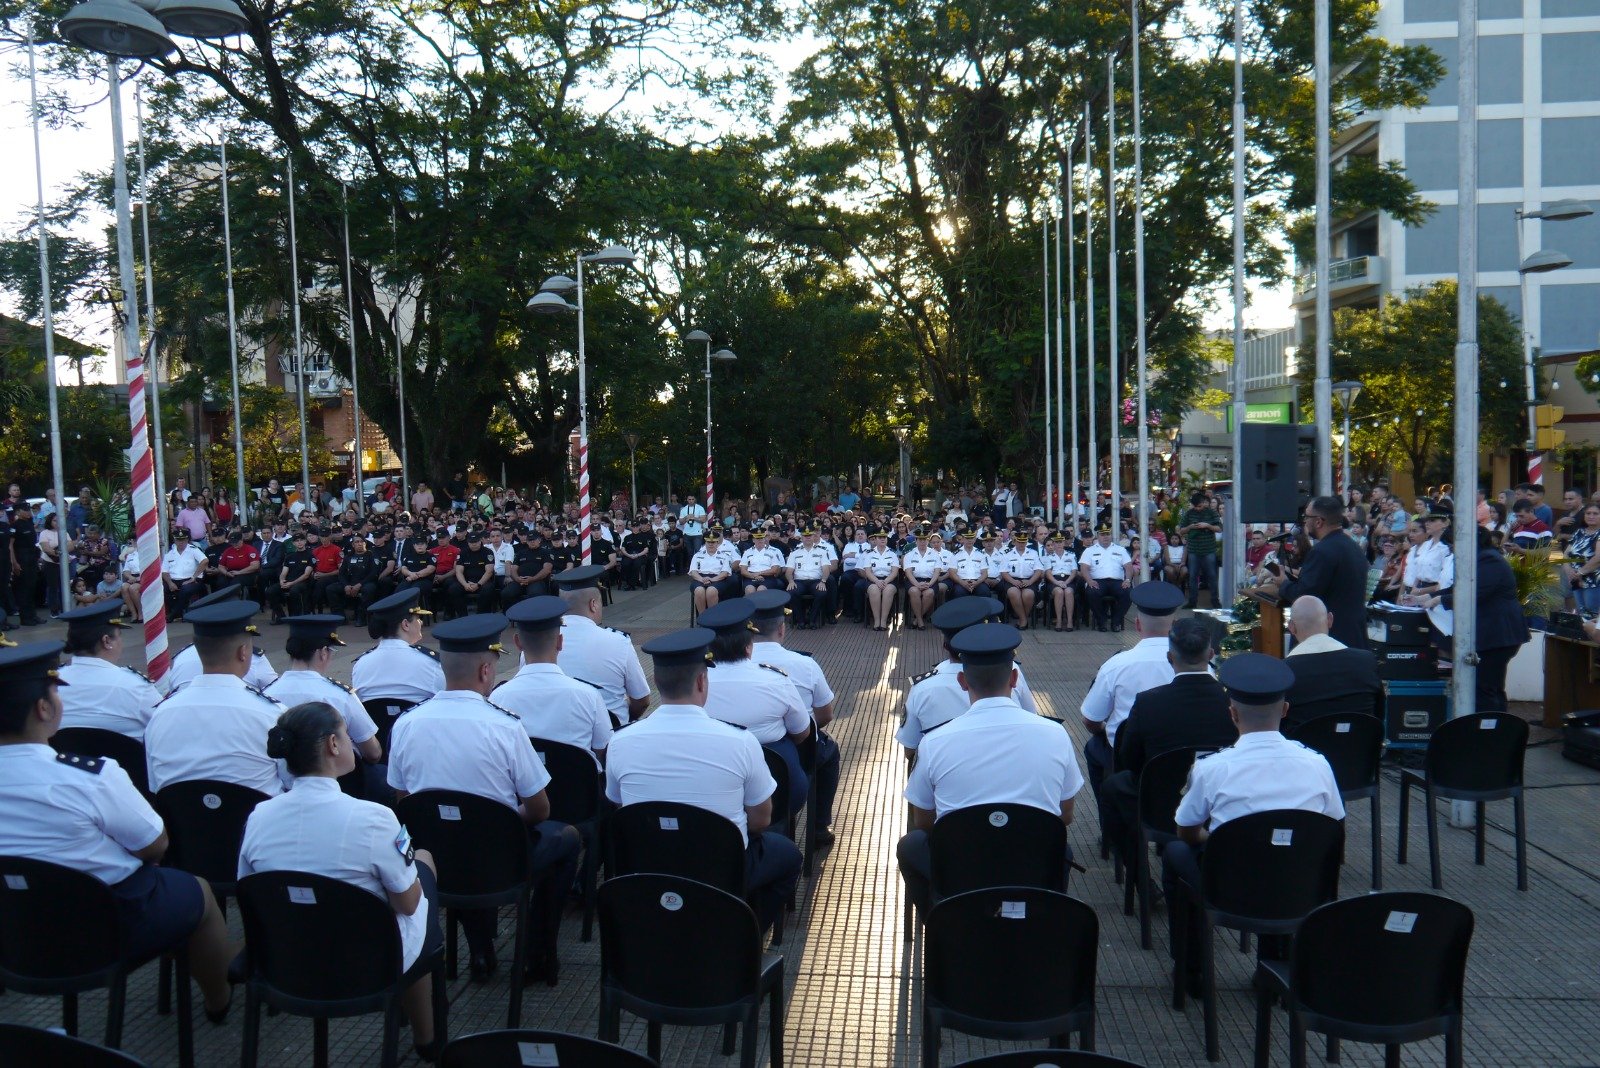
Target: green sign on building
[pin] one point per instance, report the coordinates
(1281, 413)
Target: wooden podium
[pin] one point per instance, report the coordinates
(1268, 637)
(1571, 677)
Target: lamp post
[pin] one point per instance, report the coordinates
(551, 300)
(242, 503)
(725, 355)
(1348, 392)
(633, 473)
(902, 434)
(1541, 262)
(119, 29)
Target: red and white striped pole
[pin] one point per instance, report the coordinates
(584, 536)
(1536, 468)
(151, 595)
(710, 485)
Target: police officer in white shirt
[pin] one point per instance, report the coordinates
(183, 569)
(1024, 571)
(84, 813)
(936, 697)
(310, 649)
(397, 671)
(924, 567)
(808, 569)
(679, 753)
(602, 656)
(771, 622)
(1125, 675)
(727, 548)
(216, 726)
(1061, 576)
(762, 565)
(853, 585)
(103, 693)
(969, 568)
(186, 665)
(1262, 772)
(553, 705)
(995, 753)
(1107, 571)
(755, 695)
(316, 828)
(879, 567)
(459, 740)
(710, 575)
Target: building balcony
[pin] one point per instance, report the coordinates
(1344, 278)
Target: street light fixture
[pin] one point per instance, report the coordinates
(902, 435)
(1348, 392)
(1541, 261)
(119, 29)
(633, 473)
(727, 356)
(550, 300)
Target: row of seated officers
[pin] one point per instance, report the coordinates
(724, 696)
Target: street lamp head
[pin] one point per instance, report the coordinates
(205, 19)
(724, 354)
(1545, 260)
(1349, 391)
(546, 302)
(115, 28)
(610, 255)
(558, 283)
(1562, 210)
(697, 335)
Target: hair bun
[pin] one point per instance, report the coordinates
(279, 742)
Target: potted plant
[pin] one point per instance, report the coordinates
(1539, 593)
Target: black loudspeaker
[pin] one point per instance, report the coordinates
(1279, 461)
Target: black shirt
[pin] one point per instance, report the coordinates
(295, 563)
(637, 543)
(600, 550)
(476, 565)
(413, 556)
(530, 561)
(358, 568)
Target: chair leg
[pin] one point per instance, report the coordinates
(747, 1045)
(930, 1040)
(441, 1007)
(730, 1038)
(185, 1009)
(519, 958)
(1391, 1056)
(164, 986)
(652, 1040)
(1452, 1043)
(1521, 817)
(1208, 979)
(1433, 834)
(118, 997)
(252, 1027)
(1478, 833)
(1264, 999)
(1405, 821)
(69, 1014)
(1146, 891)
(451, 934)
(1377, 841)
(591, 877)
(1331, 1054)
(1086, 1036)
(775, 1025)
(1297, 1041)
(1130, 888)
(391, 1032)
(609, 1027)
(1180, 948)
(319, 1042)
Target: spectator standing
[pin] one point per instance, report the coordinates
(692, 519)
(1582, 570)
(79, 512)
(1201, 524)
(421, 499)
(193, 518)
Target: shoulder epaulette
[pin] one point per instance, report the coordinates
(360, 655)
(735, 726)
(1016, 663)
(774, 667)
(93, 765)
(802, 652)
(343, 686)
(929, 730)
(256, 650)
(615, 630)
(586, 682)
(137, 672)
(924, 676)
(502, 708)
(499, 684)
(172, 693)
(262, 693)
(427, 651)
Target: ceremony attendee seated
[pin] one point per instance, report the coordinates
(1329, 677)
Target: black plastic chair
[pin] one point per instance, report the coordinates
(29, 1046)
(997, 845)
(782, 822)
(1409, 951)
(480, 850)
(667, 838)
(1260, 874)
(384, 711)
(506, 1049)
(61, 933)
(1474, 758)
(677, 951)
(1010, 962)
(574, 792)
(1049, 1058)
(808, 763)
(320, 947)
(1161, 783)
(95, 742)
(1353, 744)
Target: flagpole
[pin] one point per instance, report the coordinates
(1139, 313)
(350, 327)
(153, 368)
(1072, 328)
(299, 350)
(1088, 273)
(1049, 466)
(242, 502)
(1113, 372)
(1062, 479)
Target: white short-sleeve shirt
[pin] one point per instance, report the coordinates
(604, 657)
(297, 687)
(395, 668)
(1063, 564)
(758, 697)
(769, 558)
(555, 706)
(678, 753)
(1124, 677)
(182, 565)
(971, 564)
(923, 564)
(709, 563)
(805, 674)
(215, 727)
(81, 813)
(186, 667)
(106, 696)
(457, 740)
(808, 562)
(997, 753)
(317, 828)
(937, 698)
(1106, 561)
(1260, 772)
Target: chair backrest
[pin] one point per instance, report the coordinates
(678, 942)
(1349, 704)
(96, 742)
(56, 924)
(808, 749)
(1011, 953)
(21, 1045)
(574, 789)
(997, 845)
(664, 837)
(206, 820)
(516, 1049)
(384, 711)
(1272, 866)
(1161, 784)
(316, 939)
(1353, 744)
(1049, 1058)
(1478, 752)
(479, 846)
(1409, 950)
(780, 796)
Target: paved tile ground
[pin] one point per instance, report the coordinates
(854, 986)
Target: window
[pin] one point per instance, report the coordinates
(1445, 10)
(1431, 247)
(1569, 319)
(1570, 9)
(1431, 149)
(1570, 70)
(1499, 69)
(1571, 151)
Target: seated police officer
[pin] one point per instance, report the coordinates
(316, 828)
(84, 813)
(937, 696)
(997, 752)
(186, 665)
(552, 704)
(357, 586)
(597, 654)
(397, 667)
(1261, 772)
(310, 649)
(678, 753)
(1107, 572)
(103, 693)
(1127, 674)
(459, 740)
(711, 575)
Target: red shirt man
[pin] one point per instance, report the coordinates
(238, 556)
(328, 556)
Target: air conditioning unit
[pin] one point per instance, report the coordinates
(325, 384)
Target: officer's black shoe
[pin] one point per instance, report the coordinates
(430, 1051)
(547, 970)
(483, 966)
(1101, 627)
